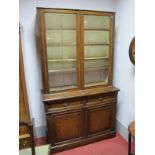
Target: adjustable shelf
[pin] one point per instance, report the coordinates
(96, 58)
(59, 60)
(63, 60)
(62, 88)
(94, 84)
(93, 29)
(52, 29)
(61, 70)
(96, 68)
(95, 44)
(60, 45)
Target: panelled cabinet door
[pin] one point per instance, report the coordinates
(100, 119)
(67, 126)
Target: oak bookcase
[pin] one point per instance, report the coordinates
(77, 64)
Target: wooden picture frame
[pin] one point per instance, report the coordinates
(132, 51)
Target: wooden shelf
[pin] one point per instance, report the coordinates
(95, 68)
(95, 84)
(93, 29)
(62, 88)
(57, 60)
(96, 44)
(96, 58)
(61, 70)
(71, 29)
(73, 69)
(59, 45)
(54, 29)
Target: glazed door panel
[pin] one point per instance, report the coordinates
(97, 42)
(61, 46)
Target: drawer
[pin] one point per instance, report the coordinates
(63, 105)
(100, 98)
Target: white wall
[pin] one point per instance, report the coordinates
(27, 18)
(124, 70)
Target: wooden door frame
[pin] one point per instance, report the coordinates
(22, 78)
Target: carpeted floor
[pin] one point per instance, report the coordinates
(113, 146)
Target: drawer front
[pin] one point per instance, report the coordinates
(65, 126)
(24, 143)
(100, 98)
(63, 105)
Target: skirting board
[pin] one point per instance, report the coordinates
(122, 130)
(41, 130)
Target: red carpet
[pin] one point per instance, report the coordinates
(112, 146)
(40, 141)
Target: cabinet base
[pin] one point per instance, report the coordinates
(84, 141)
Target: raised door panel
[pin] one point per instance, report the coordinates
(65, 126)
(100, 119)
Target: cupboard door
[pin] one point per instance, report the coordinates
(61, 45)
(97, 34)
(65, 126)
(100, 119)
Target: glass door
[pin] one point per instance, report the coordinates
(96, 49)
(61, 44)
